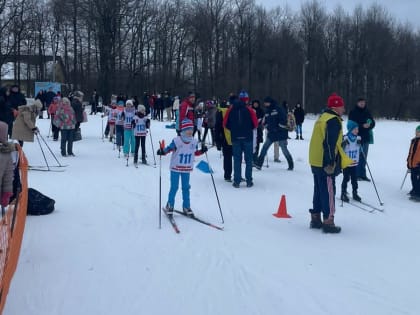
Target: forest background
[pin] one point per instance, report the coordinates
(215, 47)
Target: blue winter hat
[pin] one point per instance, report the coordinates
(351, 125)
(243, 96)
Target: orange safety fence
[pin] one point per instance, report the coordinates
(12, 225)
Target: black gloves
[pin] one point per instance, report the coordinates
(204, 149)
(160, 152)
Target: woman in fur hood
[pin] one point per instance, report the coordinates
(6, 166)
(24, 126)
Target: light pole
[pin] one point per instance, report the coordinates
(304, 82)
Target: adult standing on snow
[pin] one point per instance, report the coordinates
(186, 110)
(223, 141)
(6, 166)
(364, 119)
(241, 120)
(326, 158)
(275, 120)
(299, 113)
(65, 120)
(78, 107)
(24, 127)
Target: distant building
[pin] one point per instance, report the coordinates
(30, 71)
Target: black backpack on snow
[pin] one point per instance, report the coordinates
(39, 204)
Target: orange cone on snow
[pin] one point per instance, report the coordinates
(282, 211)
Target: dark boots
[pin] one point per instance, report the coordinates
(316, 222)
(356, 197)
(329, 226)
(344, 197)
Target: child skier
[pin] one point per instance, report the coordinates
(140, 125)
(351, 145)
(128, 115)
(413, 164)
(119, 126)
(112, 117)
(184, 148)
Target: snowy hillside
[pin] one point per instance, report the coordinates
(101, 251)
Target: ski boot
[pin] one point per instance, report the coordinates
(143, 161)
(328, 226)
(188, 212)
(344, 197)
(316, 222)
(356, 197)
(169, 211)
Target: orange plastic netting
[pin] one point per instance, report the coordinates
(12, 225)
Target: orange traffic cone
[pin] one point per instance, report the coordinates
(282, 211)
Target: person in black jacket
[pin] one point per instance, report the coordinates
(241, 120)
(223, 141)
(259, 139)
(361, 115)
(299, 113)
(6, 111)
(16, 98)
(76, 103)
(275, 120)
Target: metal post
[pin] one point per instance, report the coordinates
(304, 82)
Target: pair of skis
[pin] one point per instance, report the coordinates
(365, 206)
(175, 226)
(47, 168)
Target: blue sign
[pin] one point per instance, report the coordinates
(55, 87)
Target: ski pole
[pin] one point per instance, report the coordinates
(49, 149)
(153, 150)
(102, 128)
(373, 182)
(161, 144)
(406, 173)
(215, 190)
(49, 130)
(266, 160)
(42, 150)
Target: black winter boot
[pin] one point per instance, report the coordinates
(329, 226)
(344, 197)
(316, 222)
(356, 197)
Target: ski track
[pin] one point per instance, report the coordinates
(101, 251)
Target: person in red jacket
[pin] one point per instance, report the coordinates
(186, 110)
(413, 164)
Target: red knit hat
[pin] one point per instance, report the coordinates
(335, 100)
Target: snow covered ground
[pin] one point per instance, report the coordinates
(101, 251)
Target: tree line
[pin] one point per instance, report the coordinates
(215, 47)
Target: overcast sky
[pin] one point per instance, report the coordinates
(401, 10)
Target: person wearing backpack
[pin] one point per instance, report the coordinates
(275, 120)
(291, 125)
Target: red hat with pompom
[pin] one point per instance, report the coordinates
(335, 100)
